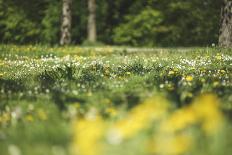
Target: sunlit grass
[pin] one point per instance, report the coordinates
(115, 100)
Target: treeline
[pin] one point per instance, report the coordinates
(118, 22)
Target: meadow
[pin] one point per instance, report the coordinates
(115, 101)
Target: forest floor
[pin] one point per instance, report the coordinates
(115, 101)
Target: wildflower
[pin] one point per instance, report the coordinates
(111, 111)
(170, 86)
(171, 72)
(29, 118)
(42, 114)
(6, 117)
(179, 120)
(215, 84)
(176, 69)
(87, 136)
(140, 117)
(189, 78)
(208, 112)
(222, 71)
(171, 144)
(161, 86)
(14, 150)
(218, 57)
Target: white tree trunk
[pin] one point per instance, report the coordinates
(66, 23)
(225, 34)
(92, 34)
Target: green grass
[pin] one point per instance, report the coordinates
(43, 89)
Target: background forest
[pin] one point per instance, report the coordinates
(119, 22)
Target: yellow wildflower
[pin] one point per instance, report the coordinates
(215, 83)
(176, 69)
(111, 111)
(6, 117)
(179, 120)
(171, 144)
(208, 112)
(222, 71)
(189, 78)
(29, 118)
(171, 72)
(42, 114)
(87, 136)
(140, 117)
(218, 57)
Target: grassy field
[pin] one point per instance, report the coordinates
(115, 101)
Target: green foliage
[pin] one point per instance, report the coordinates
(50, 23)
(139, 30)
(131, 22)
(15, 26)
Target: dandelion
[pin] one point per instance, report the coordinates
(189, 78)
(111, 111)
(179, 120)
(207, 110)
(29, 118)
(171, 144)
(171, 72)
(218, 56)
(42, 115)
(222, 71)
(87, 136)
(140, 117)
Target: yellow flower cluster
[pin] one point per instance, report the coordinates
(172, 135)
(87, 135)
(140, 117)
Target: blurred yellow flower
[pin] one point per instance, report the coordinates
(208, 112)
(140, 117)
(179, 120)
(111, 111)
(42, 114)
(29, 118)
(87, 136)
(5, 117)
(171, 144)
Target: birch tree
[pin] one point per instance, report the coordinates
(66, 23)
(225, 34)
(92, 34)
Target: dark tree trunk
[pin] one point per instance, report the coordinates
(92, 34)
(66, 23)
(225, 34)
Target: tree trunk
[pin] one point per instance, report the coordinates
(66, 23)
(225, 34)
(92, 34)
